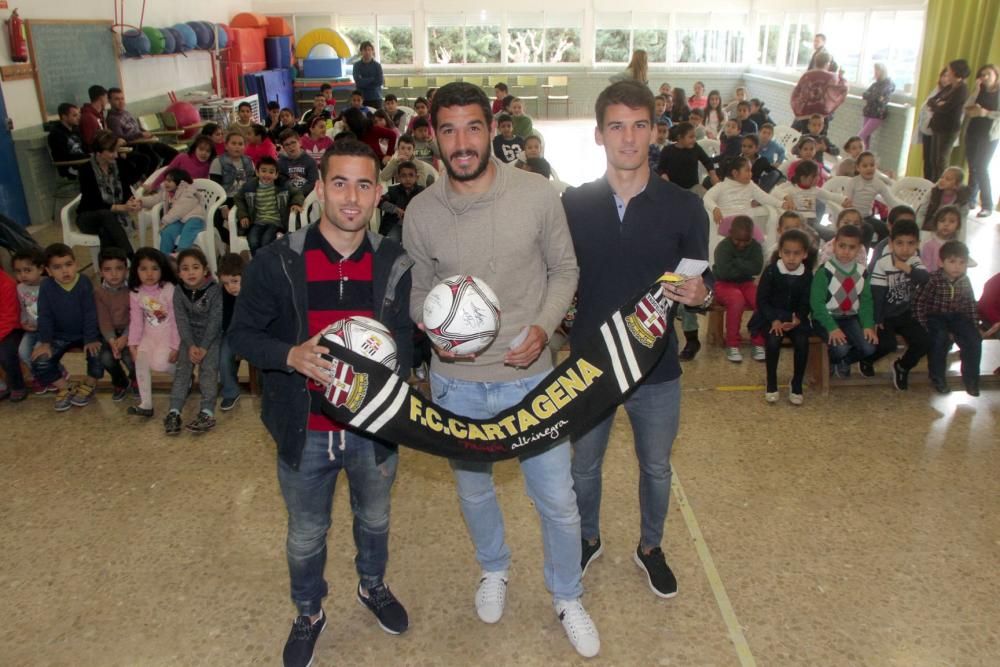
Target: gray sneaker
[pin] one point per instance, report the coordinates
(203, 423)
(64, 398)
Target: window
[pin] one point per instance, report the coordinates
(543, 38)
(463, 38)
(845, 37)
(391, 35)
(618, 34)
(358, 28)
(562, 37)
(650, 33)
(899, 54)
(768, 39)
(708, 38)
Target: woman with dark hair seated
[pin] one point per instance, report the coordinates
(105, 194)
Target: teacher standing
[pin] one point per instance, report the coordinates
(982, 135)
(368, 76)
(946, 122)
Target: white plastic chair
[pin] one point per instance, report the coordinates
(145, 218)
(237, 243)
(712, 147)
(212, 196)
(74, 237)
(786, 138)
(913, 191)
(312, 208)
(838, 186)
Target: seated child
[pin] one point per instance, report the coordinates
(883, 247)
(242, 121)
(396, 115)
(67, 318)
(759, 113)
(946, 307)
(863, 189)
(405, 150)
(12, 386)
(947, 222)
(762, 172)
(263, 205)
(230, 170)
(806, 150)
(789, 220)
(326, 90)
(662, 108)
(730, 143)
(500, 92)
(655, 148)
(738, 261)
(532, 147)
(769, 148)
(697, 120)
(847, 167)
(421, 110)
(679, 161)
(895, 279)
(735, 196)
(948, 191)
(183, 215)
(316, 142)
(507, 146)
(198, 310)
(231, 268)
(217, 134)
(783, 310)
(295, 165)
(425, 148)
(747, 126)
(396, 200)
(803, 191)
(29, 270)
(847, 216)
(286, 121)
(196, 161)
(853, 148)
(841, 304)
(523, 126)
(817, 129)
(152, 329)
(112, 300)
(259, 144)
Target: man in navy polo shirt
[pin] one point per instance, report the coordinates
(628, 228)
(293, 289)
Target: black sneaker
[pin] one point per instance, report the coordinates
(172, 423)
(203, 423)
(867, 368)
(661, 580)
(972, 388)
(387, 609)
(840, 370)
(690, 350)
(137, 411)
(229, 403)
(301, 645)
(119, 394)
(590, 553)
(900, 376)
(940, 386)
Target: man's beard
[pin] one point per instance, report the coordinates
(476, 173)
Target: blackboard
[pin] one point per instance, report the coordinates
(69, 57)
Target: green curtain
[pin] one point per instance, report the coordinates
(955, 29)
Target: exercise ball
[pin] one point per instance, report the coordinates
(169, 41)
(189, 40)
(135, 43)
(186, 115)
(156, 40)
(201, 34)
(223, 35)
(178, 40)
(210, 32)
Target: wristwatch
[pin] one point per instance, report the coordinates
(709, 299)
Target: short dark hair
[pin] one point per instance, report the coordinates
(200, 140)
(34, 255)
(420, 100)
(960, 68)
(179, 176)
(905, 227)
(768, 126)
(756, 100)
(244, 104)
(821, 36)
(267, 161)
(96, 92)
(357, 93)
(897, 211)
(751, 138)
(288, 134)
(501, 86)
(65, 108)
(953, 249)
(504, 118)
(272, 105)
(365, 44)
(54, 250)
(735, 164)
(420, 122)
(407, 164)
(390, 98)
(697, 112)
(683, 129)
(325, 87)
(258, 130)
(232, 264)
(104, 140)
(742, 223)
(460, 94)
(193, 251)
(632, 94)
(348, 147)
(805, 169)
(406, 139)
(111, 253)
(539, 165)
(849, 232)
(951, 209)
(113, 91)
(743, 105)
(346, 134)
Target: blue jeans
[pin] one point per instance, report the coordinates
(547, 479)
(229, 365)
(654, 411)
(308, 494)
(261, 234)
(48, 370)
(180, 234)
(28, 341)
(856, 348)
(121, 370)
(970, 345)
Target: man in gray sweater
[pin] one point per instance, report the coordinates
(506, 227)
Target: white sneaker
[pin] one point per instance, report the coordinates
(795, 399)
(733, 354)
(491, 596)
(771, 396)
(758, 354)
(580, 629)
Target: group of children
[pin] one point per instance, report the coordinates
(143, 317)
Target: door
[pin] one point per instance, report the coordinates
(12, 202)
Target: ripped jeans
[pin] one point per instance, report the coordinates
(308, 494)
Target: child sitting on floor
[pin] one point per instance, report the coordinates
(947, 222)
(739, 259)
(735, 196)
(783, 311)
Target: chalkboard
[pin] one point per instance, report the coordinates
(69, 57)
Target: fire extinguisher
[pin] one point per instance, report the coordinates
(18, 39)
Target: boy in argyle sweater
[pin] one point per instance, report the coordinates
(946, 307)
(841, 301)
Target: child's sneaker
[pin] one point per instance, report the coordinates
(64, 398)
(940, 386)
(18, 395)
(172, 423)
(139, 411)
(82, 395)
(757, 353)
(119, 394)
(900, 376)
(841, 370)
(867, 368)
(229, 403)
(39, 389)
(733, 354)
(795, 398)
(203, 423)
(771, 396)
(972, 387)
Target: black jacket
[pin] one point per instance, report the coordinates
(395, 198)
(66, 145)
(271, 317)
(663, 224)
(779, 295)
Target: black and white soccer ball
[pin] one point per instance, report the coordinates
(462, 315)
(367, 337)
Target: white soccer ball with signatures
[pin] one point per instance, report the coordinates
(462, 315)
(367, 337)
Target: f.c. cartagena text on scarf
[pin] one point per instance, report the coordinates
(596, 377)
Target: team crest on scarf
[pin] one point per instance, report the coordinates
(649, 320)
(347, 388)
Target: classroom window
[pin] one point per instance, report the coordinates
(618, 34)
(708, 38)
(543, 37)
(899, 54)
(392, 35)
(769, 39)
(845, 37)
(463, 38)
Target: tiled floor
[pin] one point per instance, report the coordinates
(859, 529)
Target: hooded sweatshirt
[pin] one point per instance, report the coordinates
(514, 237)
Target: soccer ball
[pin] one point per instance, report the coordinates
(365, 336)
(462, 315)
